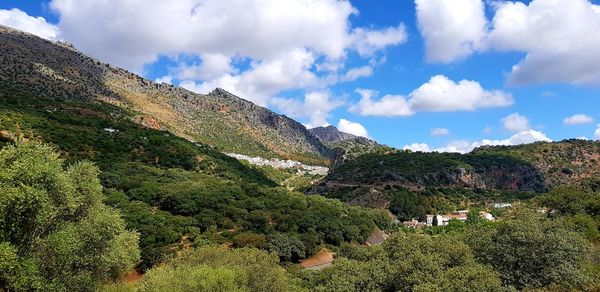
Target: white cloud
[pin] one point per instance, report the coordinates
(443, 94)
(316, 106)
(417, 147)
(597, 133)
(440, 132)
(389, 105)
(578, 119)
(452, 29)
(212, 66)
(265, 79)
(438, 94)
(368, 41)
(18, 19)
(355, 73)
(285, 42)
(523, 137)
(353, 128)
(515, 122)
(462, 146)
(559, 38)
(132, 33)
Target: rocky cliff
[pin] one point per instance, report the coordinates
(531, 168)
(32, 67)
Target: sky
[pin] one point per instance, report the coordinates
(425, 75)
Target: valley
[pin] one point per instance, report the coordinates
(213, 184)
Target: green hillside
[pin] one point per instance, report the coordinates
(175, 192)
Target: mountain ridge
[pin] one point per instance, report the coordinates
(34, 66)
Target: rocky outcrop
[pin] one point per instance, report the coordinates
(332, 134)
(147, 122)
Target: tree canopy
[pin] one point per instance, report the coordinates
(55, 232)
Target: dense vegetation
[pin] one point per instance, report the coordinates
(174, 192)
(74, 242)
(55, 232)
(407, 204)
(438, 170)
(526, 250)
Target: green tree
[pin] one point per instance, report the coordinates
(194, 278)
(220, 269)
(531, 251)
(55, 232)
(288, 247)
(407, 263)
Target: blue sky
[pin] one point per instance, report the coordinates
(530, 69)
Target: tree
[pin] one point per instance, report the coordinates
(220, 269)
(407, 263)
(55, 232)
(530, 251)
(194, 278)
(445, 263)
(288, 247)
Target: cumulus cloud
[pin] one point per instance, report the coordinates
(452, 29)
(353, 128)
(356, 73)
(316, 107)
(578, 119)
(523, 137)
(443, 94)
(18, 19)
(437, 95)
(515, 122)
(440, 132)
(389, 105)
(264, 79)
(597, 133)
(368, 41)
(286, 43)
(462, 146)
(212, 66)
(259, 29)
(559, 38)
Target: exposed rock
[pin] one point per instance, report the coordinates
(332, 134)
(148, 122)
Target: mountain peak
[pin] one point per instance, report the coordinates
(333, 134)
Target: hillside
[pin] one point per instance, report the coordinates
(44, 69)
(175, 192)
(488, 173)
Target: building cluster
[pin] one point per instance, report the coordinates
(281, 164)
(460, 215)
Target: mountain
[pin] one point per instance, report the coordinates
(331, 134)
(38, 68)
(370, 178)
(345, 145)
(148, 141)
